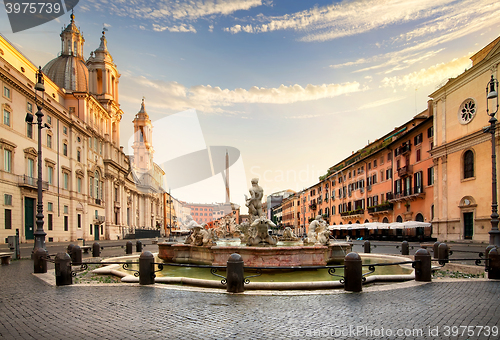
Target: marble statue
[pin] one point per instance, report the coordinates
(200, 237)
(257, 232)
(318, 232)
(288, 235)
(254, 203)
(260, 228)
(245, 231)
(190, 223)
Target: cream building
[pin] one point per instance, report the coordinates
(91, 190)
(462, 151)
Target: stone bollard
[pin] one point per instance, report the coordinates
(494, 264)
(96, 249)
(435, 249)
(128, 247)
(62, 263)
(70, 248)
(367, 247)
(138, 246)
(76, 255)
(40, 261)
(235, 274)
(353, 273)
(146, 270)
(423, 266)
(405, 248)
(443, 253)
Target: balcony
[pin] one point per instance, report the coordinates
(312, 206)
(405, 148)
(99, 219)
(31, 182)
(380, 208)
(408, 194)
(405, 171)
(352, 213)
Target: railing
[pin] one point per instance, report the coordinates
(32, 182)
(380, 208)
(405, 170)
(98, 219)
(408, 192)
(353, 212)
(403, 149)
(352, 279)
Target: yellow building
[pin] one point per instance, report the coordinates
(462, 151)
(90, 191)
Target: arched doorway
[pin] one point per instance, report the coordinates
(385, 220)
(419, 217)
(399, 219)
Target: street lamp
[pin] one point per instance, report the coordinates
(170, 224)
(39, 232)
(491, 97)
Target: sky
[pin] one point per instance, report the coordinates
(295, 86)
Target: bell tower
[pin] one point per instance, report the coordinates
(143, 143)
(103, 84)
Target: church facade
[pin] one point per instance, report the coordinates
(92, 189)
(462, 151)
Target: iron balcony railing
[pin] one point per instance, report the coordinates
(31, 182)
(379, 208)
(409, 191)
(405, 170)
(353, 212)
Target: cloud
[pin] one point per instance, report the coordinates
(175, 28)
(432, 75)
(171, 9)
(356, 17)
(173, 96)
(348, 18)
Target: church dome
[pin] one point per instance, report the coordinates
(68, 70)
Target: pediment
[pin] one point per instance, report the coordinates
(31, 151)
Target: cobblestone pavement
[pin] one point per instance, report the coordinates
(32, 309)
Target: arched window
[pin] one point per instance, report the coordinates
(399, 219)
(419, 217)
(385, 220)
(468, 164)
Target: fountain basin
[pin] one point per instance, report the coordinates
(267, 256)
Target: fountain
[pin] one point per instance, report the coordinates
(257, 247)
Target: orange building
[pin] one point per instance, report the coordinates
(389, 180)
(291, 212)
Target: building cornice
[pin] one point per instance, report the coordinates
(463, 143)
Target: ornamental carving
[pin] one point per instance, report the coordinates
(467, 111)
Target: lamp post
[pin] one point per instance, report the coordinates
(170, 224)
(39, 232)
(491, 95)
